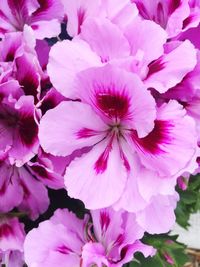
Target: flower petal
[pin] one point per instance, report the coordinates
(170, 147)
(105, 38)
(70, 126)
(171, 68)
(97, 188)
(62, 75)
(116, 95)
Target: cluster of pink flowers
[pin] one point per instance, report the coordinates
(112, 115)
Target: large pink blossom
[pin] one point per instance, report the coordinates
(110, 239)
(111, 120)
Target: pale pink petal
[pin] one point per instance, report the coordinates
(170, 147)
(170, 69)
(73, 125)
(71, 222)
(100, 180)
(120, 12)
(46, 29)
(62, 75)
(153, 217)
(140, 36)
(105, 38)
(48, 10)
(94, 254)
(57, 246)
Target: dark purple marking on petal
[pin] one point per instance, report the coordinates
(5, 230)
(125, 160)
(81, 17)
(19, 11)
(47, 104)
(35, 27)
(26, 191)
(124, 252)
(104, 220)
(41, 171)
(101, 164)
(160, 135)
(187, 21)
(64, 250)
(120, 239)
(161, 16)
(4, 17)
(155, 66)
(3, 188)
(173, 5)
(142, 10)
(10, 56)
(113, 104)
(86, 133)
(44, 6)
(28, 129)
(27, 76)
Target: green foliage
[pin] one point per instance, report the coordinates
(167, 248)
(189, 201)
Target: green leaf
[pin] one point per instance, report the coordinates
(188, 197)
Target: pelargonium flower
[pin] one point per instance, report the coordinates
(173, 16)
(18, 122)
(110, 239)
(119, 120)
(120, 12)
(43, 16)
(131, 49)
(12, 237)
(19, 188)
(18, 53)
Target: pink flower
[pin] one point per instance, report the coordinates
(130, 48)
(18, 124)
(128, 140)
(110, 239)
(19, 188)
(43, 16)
(120, 12)
(12, 237)
(169, 14)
